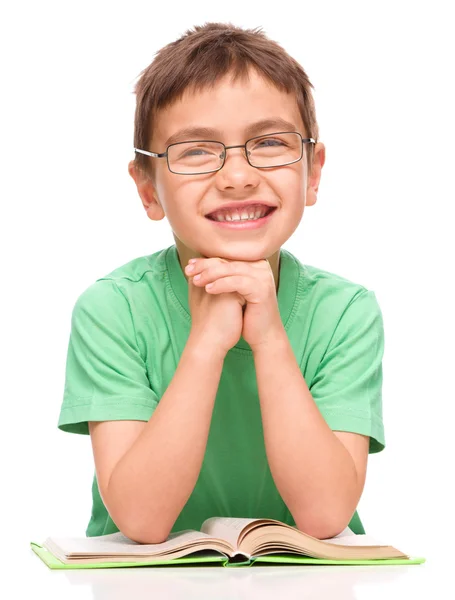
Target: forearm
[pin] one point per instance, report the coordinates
(155, 478)
(313, 471)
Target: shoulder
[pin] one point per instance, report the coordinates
(330, 308)
(124, 282)
(135, 270)
(326, 289)
(326, 283)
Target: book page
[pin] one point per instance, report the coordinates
(226, 528)
(116, 543)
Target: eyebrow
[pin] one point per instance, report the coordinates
(208, 133)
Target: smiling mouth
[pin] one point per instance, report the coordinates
(271, 209)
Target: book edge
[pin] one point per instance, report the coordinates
(53, 563)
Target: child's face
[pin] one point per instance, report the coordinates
(184, 199)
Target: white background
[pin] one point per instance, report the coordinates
(383, 78)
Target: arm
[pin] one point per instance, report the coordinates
(315, 473)
(150, 484)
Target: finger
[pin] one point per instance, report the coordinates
(201, 264)
(246, 287)
(218, 270)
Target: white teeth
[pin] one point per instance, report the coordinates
(243, 216)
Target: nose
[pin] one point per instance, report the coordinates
(237, 171)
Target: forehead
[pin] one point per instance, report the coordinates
(229, 109)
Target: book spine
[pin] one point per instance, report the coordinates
(237, 562)
(242, 555)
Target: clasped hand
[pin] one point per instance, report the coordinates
(254, 281)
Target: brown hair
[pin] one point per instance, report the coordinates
(203, 56)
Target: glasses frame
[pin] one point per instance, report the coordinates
(166, 154)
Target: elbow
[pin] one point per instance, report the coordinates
(321, 529)
(142, 535)
(325, 524)
(321, 533)
(141, 530)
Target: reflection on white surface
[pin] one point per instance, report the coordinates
(242, 582)
(340, 583)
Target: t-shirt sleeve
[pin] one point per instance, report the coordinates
(347, 386)
(106, 377)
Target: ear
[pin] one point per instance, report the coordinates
(147, 192)
(315, 175)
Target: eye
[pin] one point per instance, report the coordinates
(273, 142)
(193, 152)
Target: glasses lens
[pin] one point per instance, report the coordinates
(195, 157)
(275, 149)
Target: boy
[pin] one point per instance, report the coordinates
(259, 397)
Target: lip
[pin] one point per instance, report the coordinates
(246, 224)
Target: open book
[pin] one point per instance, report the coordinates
(232, 541)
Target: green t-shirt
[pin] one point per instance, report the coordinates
(129, 329)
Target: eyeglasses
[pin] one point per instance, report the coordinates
(205, 156)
